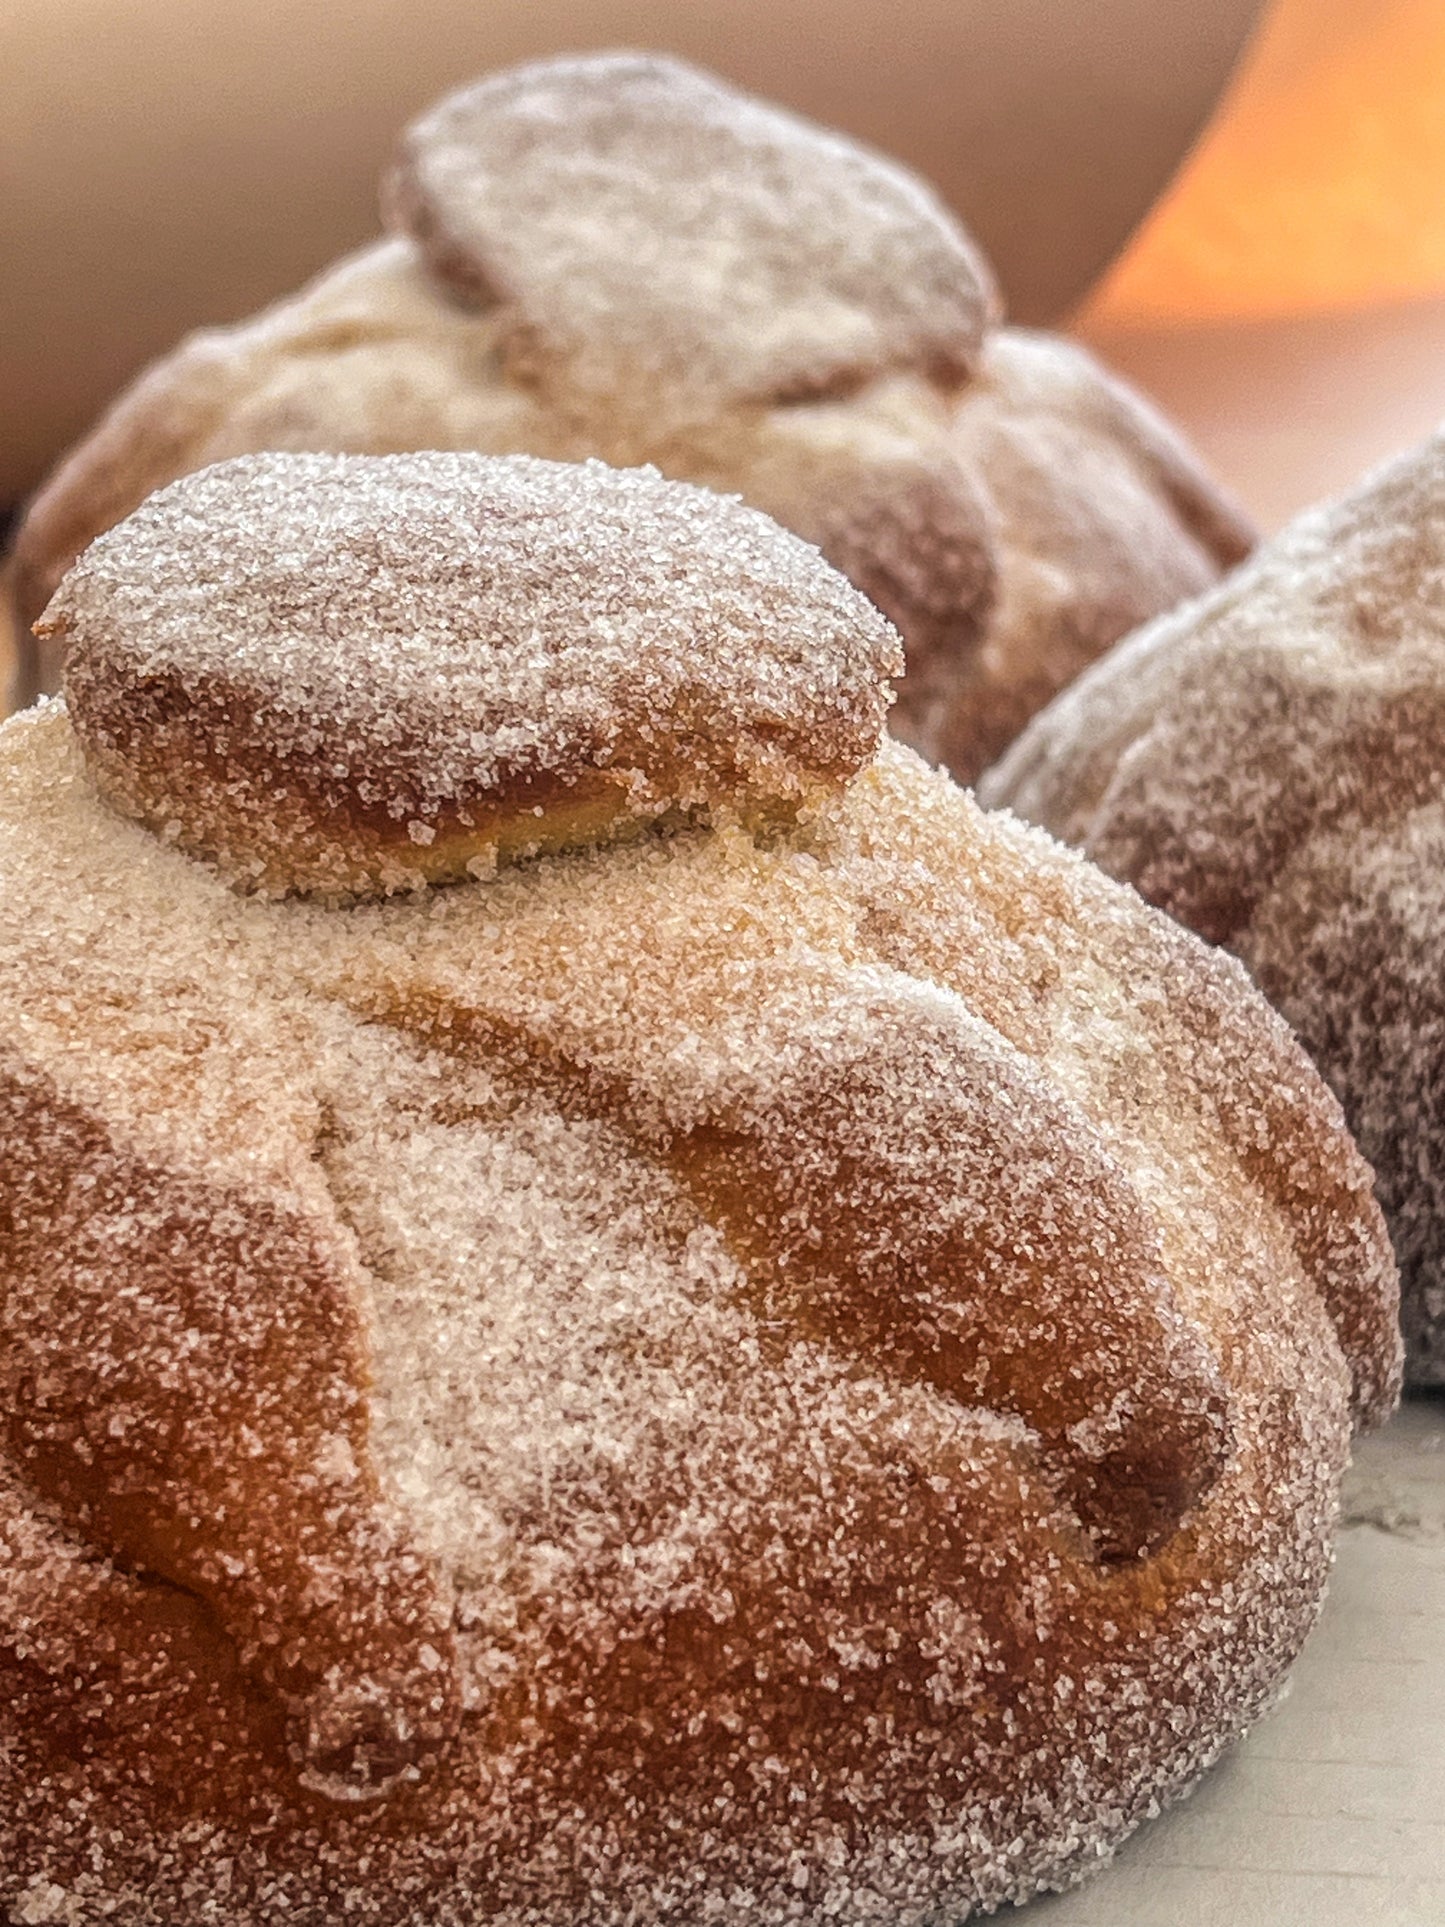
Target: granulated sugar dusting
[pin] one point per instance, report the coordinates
(1268, 764)
(432, 652)
(647, 231)
(745, 1377)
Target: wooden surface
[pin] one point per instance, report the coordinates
(1331, 1813)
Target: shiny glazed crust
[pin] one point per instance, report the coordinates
(754, 1374)
(690, 278)
(1267, 766)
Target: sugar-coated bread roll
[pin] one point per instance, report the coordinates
(786, 1356)
(620, 256)
(1268, 765)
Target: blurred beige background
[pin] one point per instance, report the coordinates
(167, 163)
(1285, 300)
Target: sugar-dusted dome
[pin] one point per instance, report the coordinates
(645, 230)
(784, 1367)
(1268, 765)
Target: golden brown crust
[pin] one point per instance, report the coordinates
(9, 638)
(964, 1185)
(1204, 1025)
(125, 1408)
(618, 257)
(856, 1329)
(352, 674)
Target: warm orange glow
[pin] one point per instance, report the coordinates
(1319, 185)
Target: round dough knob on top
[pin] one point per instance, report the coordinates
(648, 230)
(352, 675)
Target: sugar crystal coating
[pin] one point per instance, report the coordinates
(1268, 765)
(352, 673)
(616, 256)
(646, 229)
(592, 1470)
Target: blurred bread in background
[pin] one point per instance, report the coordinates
(1284, 301)
(168, 166)
(1267, 764)
(618, 256)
